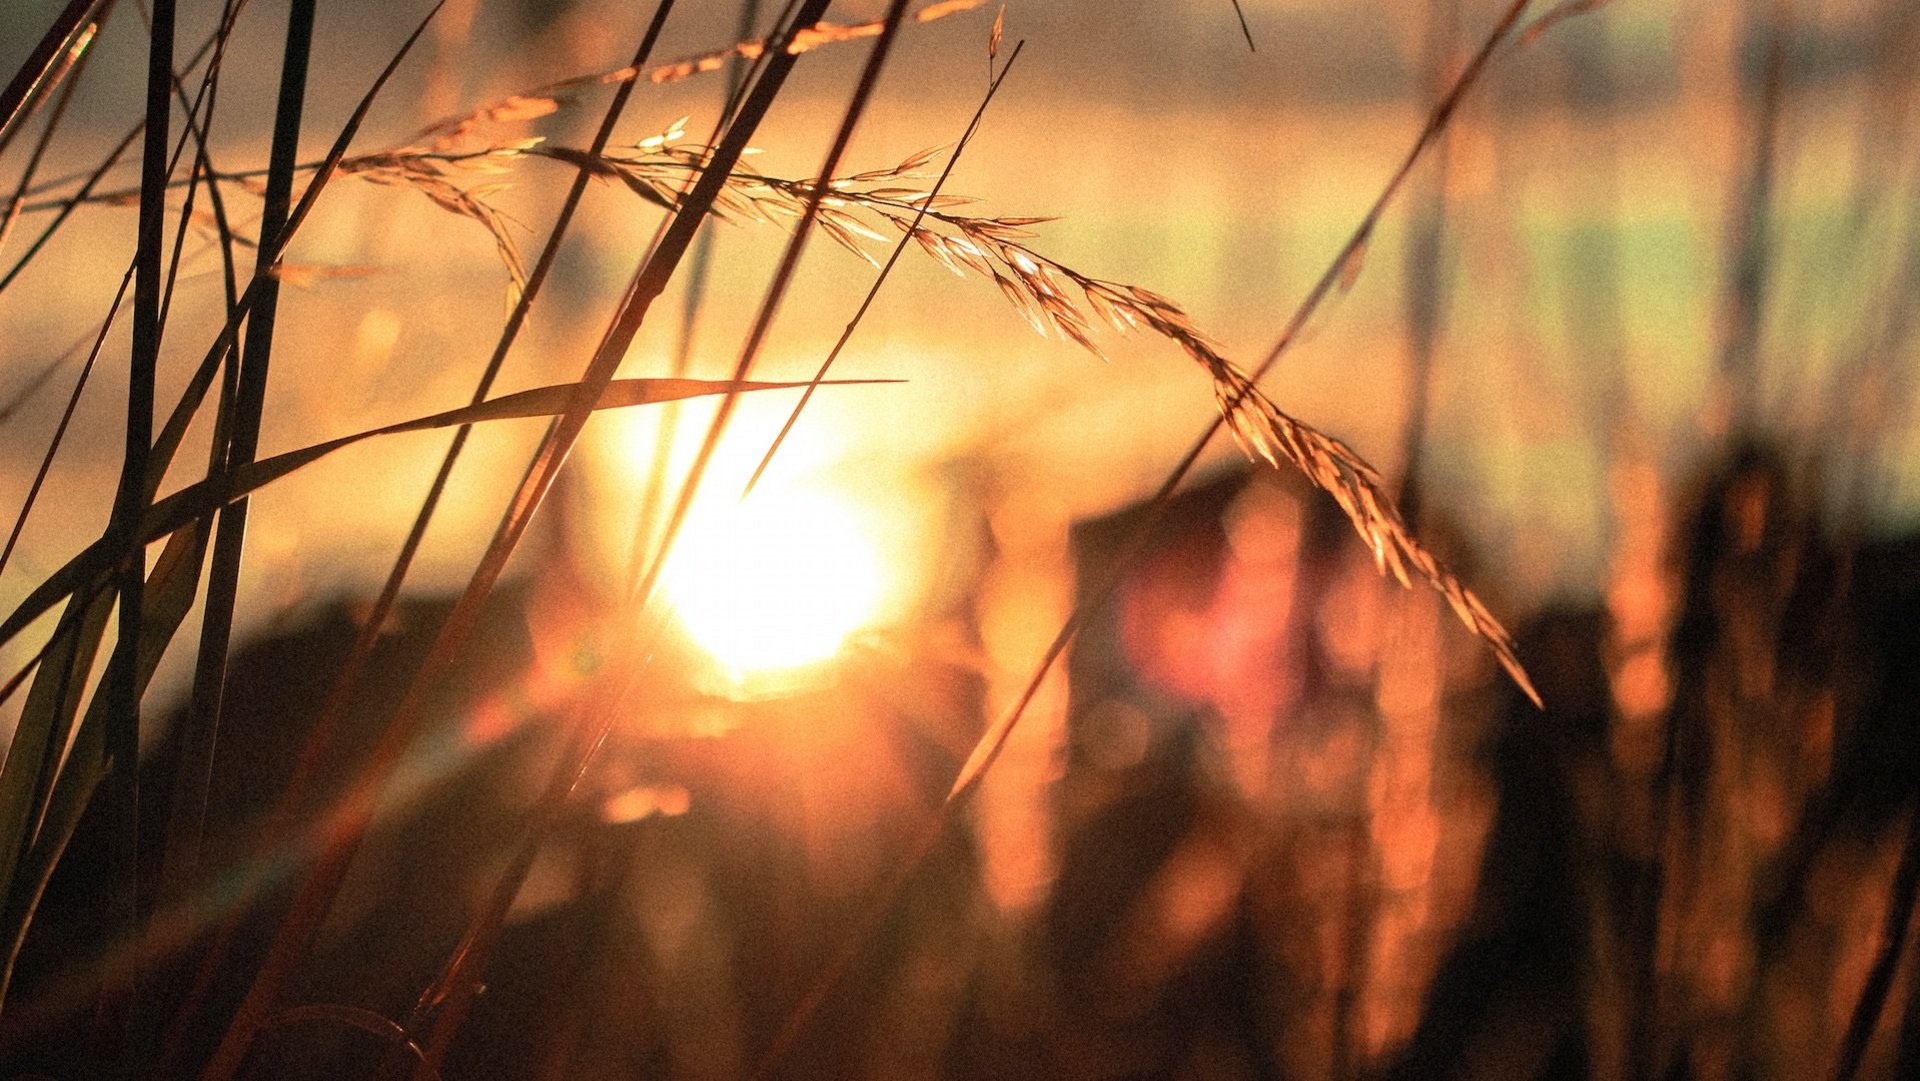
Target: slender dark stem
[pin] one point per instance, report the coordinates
(86, 371)
(1893, 938)
(67, 208)
(75, 66)
(33, 76)
(68, 205)
(120, 791)
(201, 724)
(347, 681)
(592, 730)
(361, 653)
(448, 999)
(64, 648)
(225, 340)
(700, 262)
(482, 932)
(651, 495)
(1245, 31)
(196, 127)
(66, 417)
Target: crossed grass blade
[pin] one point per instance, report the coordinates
(60, 432)
(44, 65)
(116, 1020)
(171, 434)
(360, 655)
(75, 60)
(169, 592)
(458, 984)
(267, 271)
(196, 130)
(315, 893)
(65, 207)
(235, 445)
(183, 518)
(1037, 287)
(202, 498)
(144, 465)
(32, 777)
(893, 257)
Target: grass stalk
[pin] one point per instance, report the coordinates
(776, 292)
(120, 790)
(202, 719)
(1901, 895)
(66, 418)
(594, 728)
(1245, 30)
(460, 980)
(361, 653)
(110, 548)
(67, 207)
(119, 546)
(44, 65)
(322, 879)
(198, 133)
(691, 304)
(76, 65)
(196, 126)
(64, 208)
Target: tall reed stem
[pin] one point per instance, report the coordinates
(202, 720)
(120, 792)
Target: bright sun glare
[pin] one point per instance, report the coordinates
(777, 581)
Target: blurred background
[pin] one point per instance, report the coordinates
(1633, 346)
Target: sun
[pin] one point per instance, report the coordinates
(775, 582)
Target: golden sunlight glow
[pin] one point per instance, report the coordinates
(776, 582)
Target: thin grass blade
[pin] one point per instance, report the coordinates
(43, 63)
